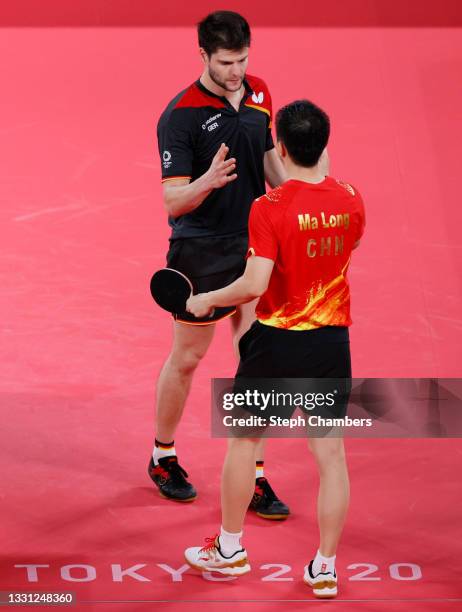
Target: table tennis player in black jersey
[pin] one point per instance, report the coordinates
(216, 152)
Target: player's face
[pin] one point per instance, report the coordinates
(227, 68)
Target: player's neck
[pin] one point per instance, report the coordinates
(233, 96)
(308, 175)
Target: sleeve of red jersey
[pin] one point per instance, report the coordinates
(262, 236)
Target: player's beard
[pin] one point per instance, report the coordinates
(216, 79)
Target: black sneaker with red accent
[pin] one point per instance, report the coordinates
(170, 478)
(266, 503)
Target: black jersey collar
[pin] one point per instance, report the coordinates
(203, 88)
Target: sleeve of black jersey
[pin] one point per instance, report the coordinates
(175, 143)
(269, 137)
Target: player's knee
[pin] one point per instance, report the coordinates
(187, 360)
(328, 451)
(249, 444)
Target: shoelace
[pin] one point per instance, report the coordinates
(268, 491)
(210, 544)
(177, 473)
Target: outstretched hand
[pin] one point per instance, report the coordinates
(219, 172)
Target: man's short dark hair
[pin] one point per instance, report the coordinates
(223, 30)
(304, 130)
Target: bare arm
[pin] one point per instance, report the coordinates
(181, 196)
(253, 283)
(275, 173)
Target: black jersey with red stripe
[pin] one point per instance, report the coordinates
(190, 132)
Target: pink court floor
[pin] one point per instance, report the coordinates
(83, 228)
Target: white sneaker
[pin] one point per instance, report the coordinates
(209, 558)
(324, 584)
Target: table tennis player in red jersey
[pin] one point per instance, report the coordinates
(301, 237)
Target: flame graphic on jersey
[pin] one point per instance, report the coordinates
(322, 309)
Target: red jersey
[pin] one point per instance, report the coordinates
(309, 231)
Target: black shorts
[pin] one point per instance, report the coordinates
(210, 263)
(272, 352)
(286, 361)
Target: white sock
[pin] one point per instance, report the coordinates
(162, 450)
(230, 542)
(323, 564)
(259, 470)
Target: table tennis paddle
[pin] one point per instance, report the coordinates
(171, 289)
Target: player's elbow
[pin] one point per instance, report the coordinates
(256, 281)
(170, 211)
(257, 289)
(169, 206)
(172, 196)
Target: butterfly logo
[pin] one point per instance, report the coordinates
(258, 98)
